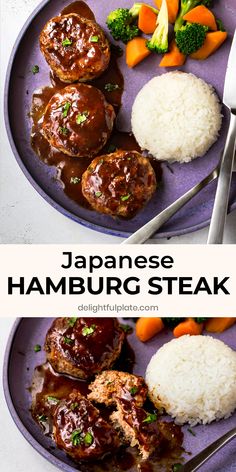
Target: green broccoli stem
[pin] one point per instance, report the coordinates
(185, 7)
(134, 11)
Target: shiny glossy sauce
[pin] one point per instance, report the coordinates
(69, 169)
(48, 387)
(86, 351)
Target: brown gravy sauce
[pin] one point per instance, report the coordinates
(69, 169)
(48, 385)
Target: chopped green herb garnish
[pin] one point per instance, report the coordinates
(42, 418)
(72, 321)
(150, 418)
(63, 130)
(133, 391)
(191, 432)
(53, 399)
(101, 161)
(125, 197)
(35, 69)
(220, 24)
(81, 118)
(67, 340)
(74, 180)
(98, 194)
(111, 148)
(66, 42)
(37, 348)
(88, 439)
(176, 467)
(65, 109)
(90, 169)
(94, 39)
(74, 406)
(87, 330)
(111, 87)
(76, 437)
(126, 328)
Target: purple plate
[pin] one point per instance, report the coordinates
(21, 358)
(177, 179)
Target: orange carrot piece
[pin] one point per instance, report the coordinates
(173, 8)
(146, 328)
(189, 326)
(147, 20)
(218, 325)
(136, 51)
(212, 42)
(173, 57)
(201, 15)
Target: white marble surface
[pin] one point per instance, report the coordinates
(25, 217)
(16, 455)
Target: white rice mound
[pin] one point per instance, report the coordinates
(176, 117)
(194, 379)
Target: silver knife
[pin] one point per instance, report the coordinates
(219, 213)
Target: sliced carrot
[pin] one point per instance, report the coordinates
(146, 328)
(173, 57)
(189, 326)
(212, 42)
(218, 325)
(147, 20)
(201, 15)
(136, 51)
(173, 8)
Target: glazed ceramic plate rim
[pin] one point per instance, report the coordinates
(69, 213)
(13, 403)
(24, 431)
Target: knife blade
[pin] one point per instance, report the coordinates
(216, 230)
(229, 96)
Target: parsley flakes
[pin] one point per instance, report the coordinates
(63, 130)
(67, 340)
(94, 39)
(150, 418)
(111, 87)
(35, 69)
(37, 348)
(66, 42)
(74, 180)
(124, 198)
(65, 109)
(81, 118)
(87, 330)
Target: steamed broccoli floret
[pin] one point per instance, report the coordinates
(122, 22)
(190, 38)
(185, 7)
(172, 322)
(120, 25)
(159, 40)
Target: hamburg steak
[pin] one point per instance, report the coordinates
(80, 431)
(111, 385)
(119, 184)
(78, 120)
(82, 347)
(75, 48)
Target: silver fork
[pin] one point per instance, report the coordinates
(196, 462)
(145, 232)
